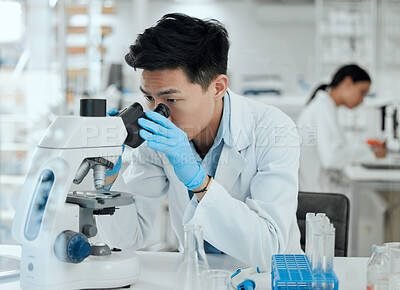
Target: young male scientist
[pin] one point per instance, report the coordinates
(227, 163)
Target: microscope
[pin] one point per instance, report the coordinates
(390, 125)
(54, 224)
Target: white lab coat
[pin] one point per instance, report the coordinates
(324, 150)
(249, 211)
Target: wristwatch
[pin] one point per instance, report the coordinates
(206, 187)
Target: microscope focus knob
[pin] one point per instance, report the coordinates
(72, 247)
(89, 230)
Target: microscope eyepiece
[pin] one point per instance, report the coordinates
(162, 110)
(130, 117)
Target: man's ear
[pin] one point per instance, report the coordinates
(220, 86)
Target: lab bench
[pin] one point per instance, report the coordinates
(364, 178)
(159, 270)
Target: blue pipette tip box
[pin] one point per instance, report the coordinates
(295, 272)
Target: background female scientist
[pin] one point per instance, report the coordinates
(324, 152)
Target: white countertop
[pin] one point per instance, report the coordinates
(300, 99)
(356, 172)
(159, 269)
(359, 173)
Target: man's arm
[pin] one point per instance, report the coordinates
(110, 179)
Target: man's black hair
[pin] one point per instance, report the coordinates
(199, 47)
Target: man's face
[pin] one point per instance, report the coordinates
(191, 108)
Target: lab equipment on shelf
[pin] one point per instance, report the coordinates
(390, 126)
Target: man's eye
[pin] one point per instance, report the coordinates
(149, 98)
(172, 100)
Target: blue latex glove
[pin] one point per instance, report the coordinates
(162, 135)
(117, 165)
(112, 112)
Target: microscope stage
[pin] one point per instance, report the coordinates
(97, 200)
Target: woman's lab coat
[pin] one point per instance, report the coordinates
(249, 211)
(324, 151)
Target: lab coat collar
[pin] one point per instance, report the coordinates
(231, 162)
(324, 95)
(224, 132)
(242, 122)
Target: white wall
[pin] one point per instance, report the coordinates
(265, 38)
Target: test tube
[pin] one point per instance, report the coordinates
(330, 248)
(317, 254)
(323, 218)
(310, 218)
(318, 244)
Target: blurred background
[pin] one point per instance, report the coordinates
(52, 53)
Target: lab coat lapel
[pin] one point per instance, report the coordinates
(231, 162)
(230, 165)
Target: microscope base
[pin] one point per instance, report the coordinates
(96, 272)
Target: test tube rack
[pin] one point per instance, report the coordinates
(295, 272)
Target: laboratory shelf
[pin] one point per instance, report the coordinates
(345, 33)
(295, 272)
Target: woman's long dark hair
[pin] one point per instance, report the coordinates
(356, 73)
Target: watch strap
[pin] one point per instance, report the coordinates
(206, 187)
